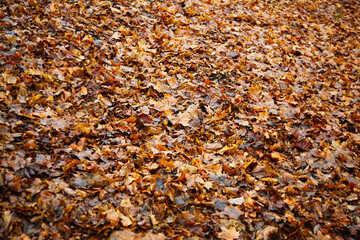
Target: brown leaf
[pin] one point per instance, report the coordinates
(113, 215)
(304, 144)
(6, 217)
(126, 234)
(228, 233)
(267, 233)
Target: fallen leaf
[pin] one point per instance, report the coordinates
(228, 233)
(236, 201)
(126, 234)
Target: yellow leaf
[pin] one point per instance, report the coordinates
(254, 90)
(84, 127)
(49, 99)
(47, 77)
(247, 164)
(270, 170)
(226, 149)
(34, 99)
(34, 72)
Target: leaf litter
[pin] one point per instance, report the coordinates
(179, 119)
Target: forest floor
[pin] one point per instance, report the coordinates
(179, 119)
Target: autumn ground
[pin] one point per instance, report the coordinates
(179, 119)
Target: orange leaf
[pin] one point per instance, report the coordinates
(131, 119)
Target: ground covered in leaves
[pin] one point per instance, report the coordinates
(179, 119)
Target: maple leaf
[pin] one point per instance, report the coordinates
(228, 233)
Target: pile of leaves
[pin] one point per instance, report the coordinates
(179, 119)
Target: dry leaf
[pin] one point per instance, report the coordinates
(126, 234)
(236, 201)
(228, 233)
